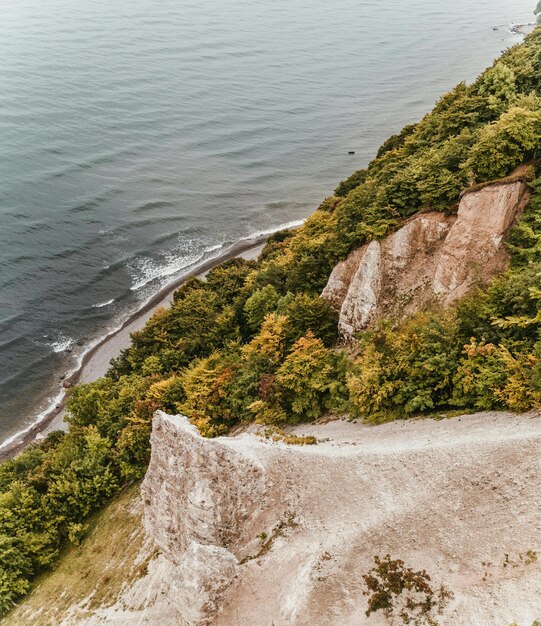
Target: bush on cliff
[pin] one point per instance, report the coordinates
(406, 370)
(512, 139)
(310, 381)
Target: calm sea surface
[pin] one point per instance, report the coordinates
(139, 137)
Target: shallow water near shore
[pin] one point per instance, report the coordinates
(142, 138)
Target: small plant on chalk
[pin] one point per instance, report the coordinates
(404, 596)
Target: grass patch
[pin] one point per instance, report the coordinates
(267, 541)
(93, 573)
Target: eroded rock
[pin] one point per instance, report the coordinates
(341, 277)
(474, 249)
(361, 301)
(205, 504)
(431, 257)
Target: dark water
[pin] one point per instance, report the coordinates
(141, 136)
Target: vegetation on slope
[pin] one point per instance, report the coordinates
(91, 575)
(256, 341)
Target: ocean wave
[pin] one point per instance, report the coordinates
(62, 344)
(52, 402)
(274, 229)
(141, 222)
(59, 343)
(520, 29)
(111, 233)
(149, 270)
(150, 206)
(215, 247)
(100, 305)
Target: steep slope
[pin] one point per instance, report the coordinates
(457, 497)
(431, 257)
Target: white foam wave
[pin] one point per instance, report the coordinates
(62, 344)
(52, 402)
(150, 270)
(274, 229)
(520, 30)
(100, 305)
(218, 246)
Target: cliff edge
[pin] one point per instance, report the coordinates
(265, 533)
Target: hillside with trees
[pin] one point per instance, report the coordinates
(254, 341)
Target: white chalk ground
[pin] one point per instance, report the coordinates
(460, 498)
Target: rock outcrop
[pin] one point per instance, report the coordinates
(205, 505)
(431, 257)
(264, 533)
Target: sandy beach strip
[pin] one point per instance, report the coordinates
(95, 362)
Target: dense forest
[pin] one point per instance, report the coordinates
(254, 341)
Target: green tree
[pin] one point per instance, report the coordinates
(404, 370)
(310, 380)
(228, 279)
(507, 143)
(306, 313)
(208, 385)
(498, 85)
(259, 304)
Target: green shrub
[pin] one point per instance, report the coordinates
(307, 313)
(207, 386)
(490, 377)
(498, 85)
(525, 238)
(196, 324)
(404, 370)
(507, 143)
(227, 280)
(356, 179)
(259, 304)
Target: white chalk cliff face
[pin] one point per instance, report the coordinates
(206, 503)
(431, 257)
(263, 533)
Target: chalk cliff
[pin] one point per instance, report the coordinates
(431, 257)
(264, 533)
(206, 502)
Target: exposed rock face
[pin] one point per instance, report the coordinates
(205, 505)
(340, 279)
(474, 247)
(432, 256)
(453, 497)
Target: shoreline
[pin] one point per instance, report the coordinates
(95, 361)
(522, 29)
